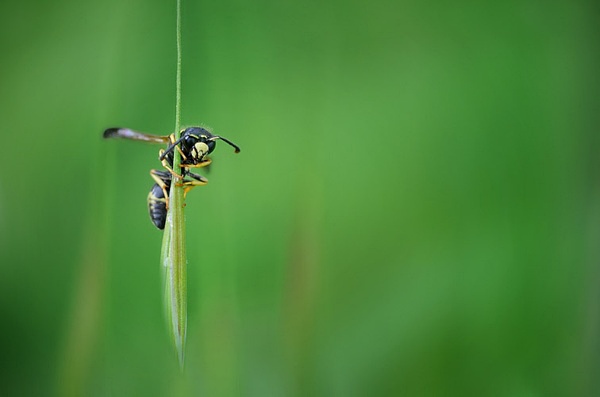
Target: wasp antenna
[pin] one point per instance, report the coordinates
(170, 148)
(235, 147)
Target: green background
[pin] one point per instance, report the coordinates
(415, 210)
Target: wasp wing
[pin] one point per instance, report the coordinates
(134, 135)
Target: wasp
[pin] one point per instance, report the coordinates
(194, 146)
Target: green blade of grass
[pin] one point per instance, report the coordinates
(175, 270)
(173, 258)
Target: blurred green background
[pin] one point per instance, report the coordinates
(415, 210)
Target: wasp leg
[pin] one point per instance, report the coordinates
(165, 163)
(183, 156)
(174, 144)
(162, 155)
(201, 164)
(162, 179)
(186, 189)
(190, 184)
(201, 180)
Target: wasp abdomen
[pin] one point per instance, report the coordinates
(157, 206)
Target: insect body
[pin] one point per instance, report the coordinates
(194, 146)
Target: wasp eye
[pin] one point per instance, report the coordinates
(211, 146)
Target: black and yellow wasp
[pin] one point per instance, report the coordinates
(194, 146)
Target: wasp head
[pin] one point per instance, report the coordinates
(197, 143)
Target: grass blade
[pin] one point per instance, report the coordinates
(174, 264)
(173, 257)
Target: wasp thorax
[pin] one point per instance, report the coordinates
(199, 150)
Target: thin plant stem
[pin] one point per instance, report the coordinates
(173, 255)
(178, 75)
